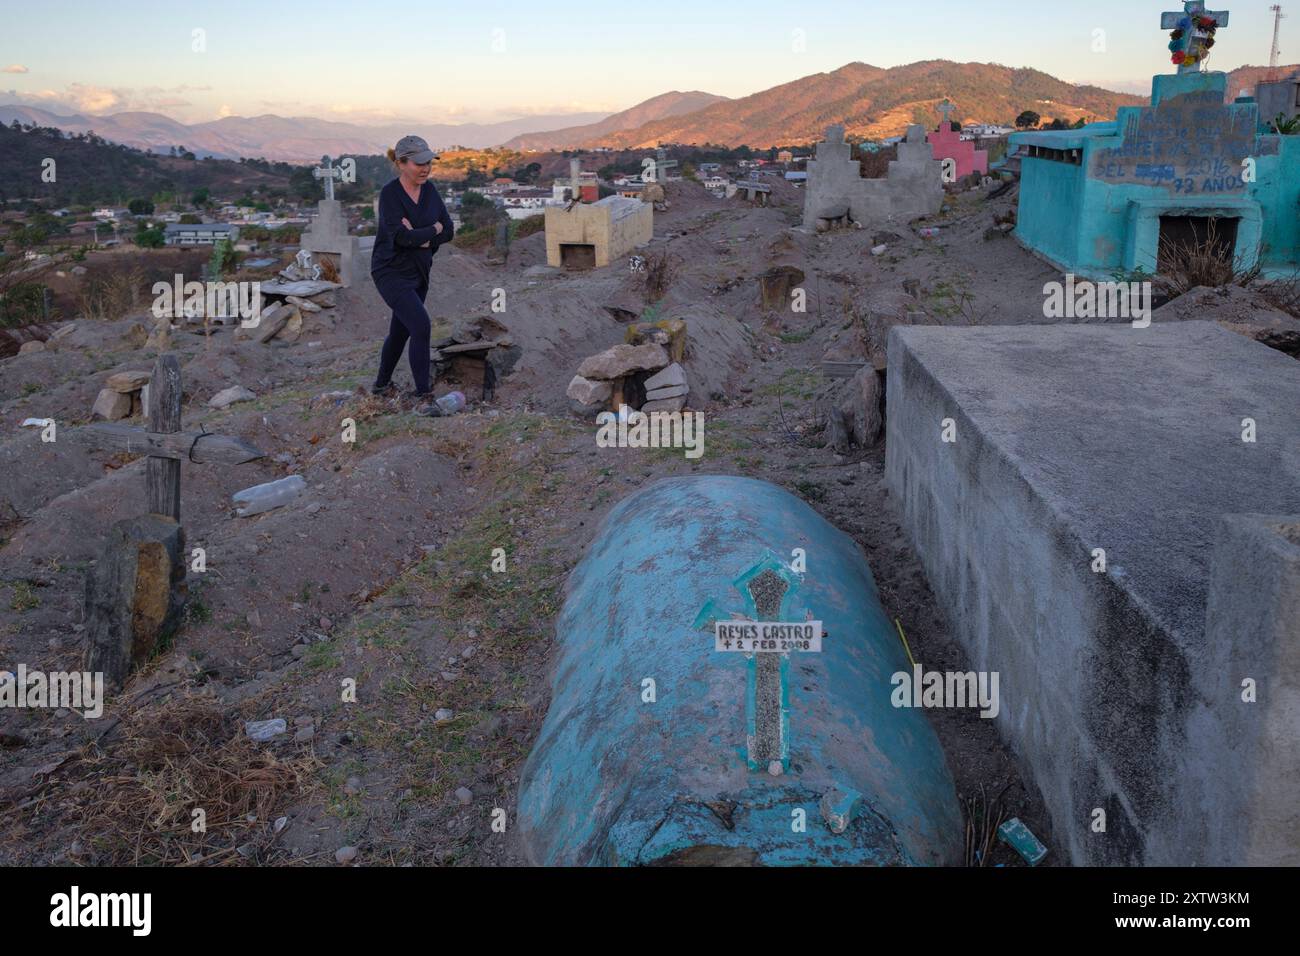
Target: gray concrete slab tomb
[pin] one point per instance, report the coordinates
(1110, 516)
(913, 187)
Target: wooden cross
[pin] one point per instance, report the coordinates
(767, 586)
(329, 174)
(946, 108)
(1183, 20)
(165, 443)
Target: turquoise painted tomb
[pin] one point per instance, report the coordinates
(659, 749)
(1108, 197)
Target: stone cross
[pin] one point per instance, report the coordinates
(946, 108)
(658, 167)
(1173, 21)
(329, 173)
(575, 179)
(165, 443)
(766, 588)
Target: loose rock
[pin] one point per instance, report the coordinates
(264, 730)
(622, 360)
(111, 406)
(229, 396)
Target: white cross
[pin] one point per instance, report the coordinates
(1192, 8)
(329, 174)
(946, 108)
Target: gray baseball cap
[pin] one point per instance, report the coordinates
(415, 149)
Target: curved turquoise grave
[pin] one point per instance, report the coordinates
(615, 780)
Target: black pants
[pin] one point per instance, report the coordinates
(410, 321)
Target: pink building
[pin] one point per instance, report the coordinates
(948, 144)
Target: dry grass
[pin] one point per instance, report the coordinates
(1207, 262)
(982, 822)
(110, 296)
(1283, 294)
(133, 795)
(661, 270)
(329, 270)
(876, 165)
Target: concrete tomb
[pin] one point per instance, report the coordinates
(913, 187)
(754, 192)
(671, 740)
(948, 144)
(1126, 195)
(328, 231)
(592, 235)
(1280, 98)
(1110, 517)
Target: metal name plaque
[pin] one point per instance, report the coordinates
(768, 637)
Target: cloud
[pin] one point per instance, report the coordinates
(15, 68)
(225, 111)
(95, 100)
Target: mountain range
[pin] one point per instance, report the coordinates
(298, 139)
(869, 101)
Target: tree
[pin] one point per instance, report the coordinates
(303, 184)
(150, 238)
(1058, 123)
(477, 210)
(200, 197)
(1028, 118)
(223, 258)
(140, 207)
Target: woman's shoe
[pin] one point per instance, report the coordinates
(383, 390)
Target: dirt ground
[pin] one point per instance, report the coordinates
(380, 573)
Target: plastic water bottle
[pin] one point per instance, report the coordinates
(273, 494)
(450, 403)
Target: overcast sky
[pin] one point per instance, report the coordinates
(459, 62)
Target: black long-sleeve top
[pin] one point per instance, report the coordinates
(398, 249)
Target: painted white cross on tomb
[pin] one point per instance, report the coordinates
(1193, 35)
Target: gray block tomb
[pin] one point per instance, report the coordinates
(1122, 689)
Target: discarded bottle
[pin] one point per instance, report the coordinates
(272, 494)
(449, 404)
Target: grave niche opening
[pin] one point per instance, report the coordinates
(577, 255)
(1184, 235)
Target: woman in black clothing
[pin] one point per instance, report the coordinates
(413, 223)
